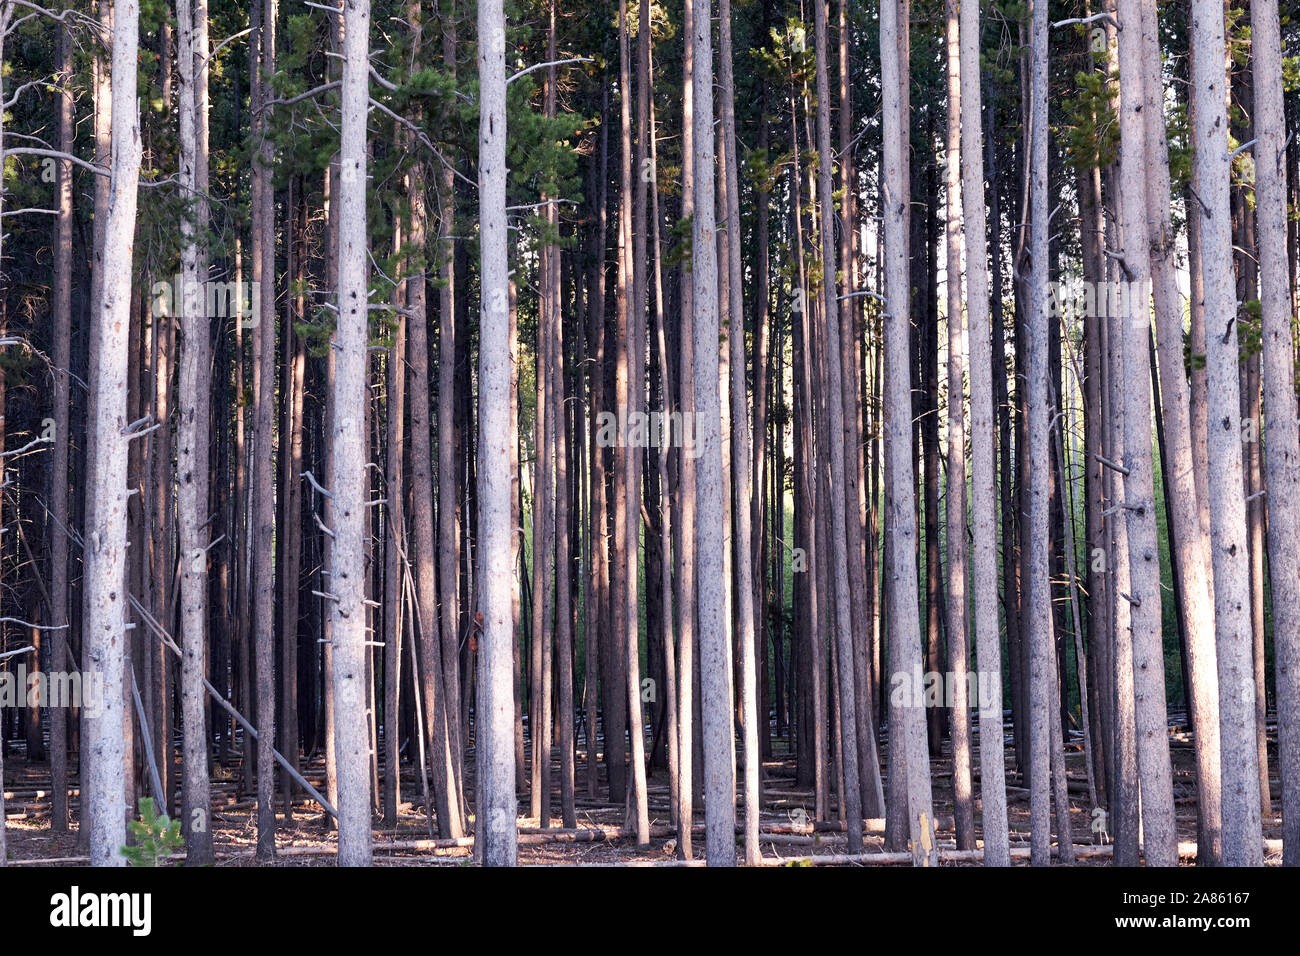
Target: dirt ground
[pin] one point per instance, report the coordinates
(788, 832)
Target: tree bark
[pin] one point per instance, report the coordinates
(103, 773)
(1282, 436)
(496, 768)
(909, 755)
(1241, 806)
(984, 570)
(192, 456)
(958, 640)
(715, 640)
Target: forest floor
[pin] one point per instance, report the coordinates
(787, 830)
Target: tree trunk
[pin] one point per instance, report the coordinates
(103, 773)
(909, 758)
(1282, 436)
(963, 813)
(192, 456)
(496, 768)
(1241, 808)
(349, 482)
(1189, 559)
(262, 486)
(60, 614)
(686, 488)
(852, 793)
(715, 640)
(741, 511)
(984, 570)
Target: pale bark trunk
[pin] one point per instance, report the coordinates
(1241, 803)
(262, 487)
(984, 570)
(958, 639)
(715, 633)
(911, 760)
(496, 768)
(1133, 329)
(1189, 561)
(1037, 483)
(685, 557)
(348, 479)
(1282, 437)
(103, 775)
(741, 512)
(192, 457)
(448, 524)
(635, 247)
(851, 794)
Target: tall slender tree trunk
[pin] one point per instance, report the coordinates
(596, 599)
(394, 555)
(1131, 332)
(855, 500)
(686, 489)
(564, 565)
(741, 511)
(448, 502)
(958, 641)
(1037, 484)
(1241, 805)
(1189, 560)
(909, 757)
(262, 486)
(104, 641)
(984, 570)
(290, 501)
(496, 768)
(349, 479)
(715, 640)
(1282, 435)
(635, 304)
(192, 456)
(437, 708)
(843, 626)
(60, 613)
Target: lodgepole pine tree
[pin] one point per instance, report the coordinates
(192, 444)
(958, 639)
(60, 609)
(263, 482)
(495, 825)
(911, 762)
(715, 632)
(1132, 329)
(742, 485)
(348, 481)
(1038, 597)
(1282, 436)
(984, 570)
(104, 574)
(686, 483)
(830, 318)
(1241, 805)
(1175, 396)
